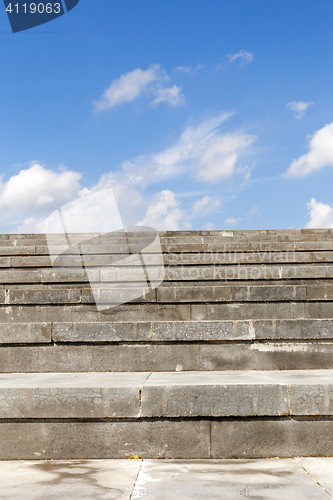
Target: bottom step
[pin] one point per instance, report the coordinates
(166, 438)
(247, 414)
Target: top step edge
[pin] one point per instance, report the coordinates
(215, 232)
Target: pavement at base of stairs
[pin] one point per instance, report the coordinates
(302, 478)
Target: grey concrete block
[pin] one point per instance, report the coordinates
(5, 262)
(10, 250)
(312, 399)
(249, 272)
(194, 294)
(63, 274)
(322, 256)
(89, 313)
(260, 438)
(67, 296)
(264, 310)
(266, 356)
(161, 357)
(140, 357)
(20, 276)
(31, 261)
(268, 293)
(69, 395)
(206, 331)
(320, 292)
(213, 394)
(294, 329)
(25, 333)
(107, 439)
(101, 332)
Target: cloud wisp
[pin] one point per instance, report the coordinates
(299, 108)
(131, 85)
(243, 56)
(231, 221)
(189, 69)
(170, 95)
(320, 154)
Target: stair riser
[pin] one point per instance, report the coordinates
(106, 259)
(310, 355)
(165, 438)
(167, 312)
(166, 294)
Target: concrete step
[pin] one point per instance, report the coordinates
(171, 236)
(166, 346)
(167, 331)
(146, 312)
(167, 294)
(101, 256)
(167, 356)
(39, 247)
(169, 394)
(120, 273)
(205, 413)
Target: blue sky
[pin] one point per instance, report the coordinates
(199, 114)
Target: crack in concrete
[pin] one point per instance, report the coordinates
(312, 477)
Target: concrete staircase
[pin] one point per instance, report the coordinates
(230, 357)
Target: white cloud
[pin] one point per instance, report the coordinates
(164, 213)
(189, 70)
(219, 159)
(245, 56)
(231, 221)
(170, 95)
(320, 154)
(205, 206)
(129, 86)
(321, 214)
(32, 225)
(299, 108)
(198, 148)
(37, 188)
(181, 158)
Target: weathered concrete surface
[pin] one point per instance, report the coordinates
(238, 393)
(196, 293)
(187, 331)
(166, 394)
(67, 480)
(213, 394)
(164, 357)
(229, 479)
(119, 479)
(255, 437)
(167, 312)
(167, 331)
(104, 439)
(70, 395)
(172, 273)
(101, 255)
(25, 333)
(260, 438)
(320, 469)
